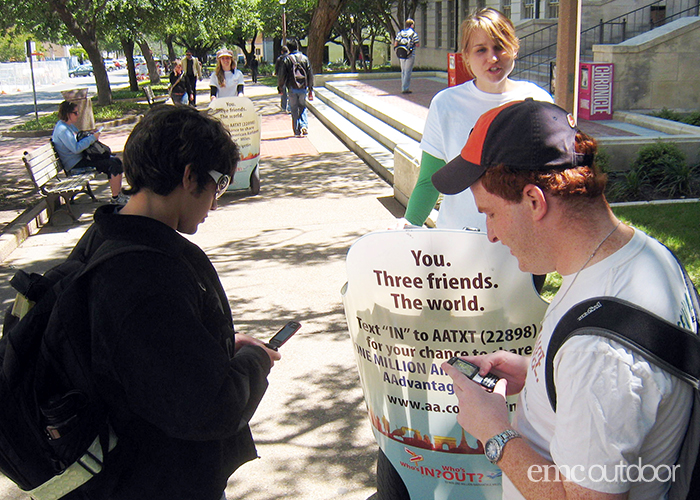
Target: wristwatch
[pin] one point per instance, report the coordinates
(494, 446)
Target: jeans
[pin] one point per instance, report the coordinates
(297, 102)
(284, 104)
(406, 69)
(181, 98)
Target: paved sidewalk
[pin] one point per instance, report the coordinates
(281, 256)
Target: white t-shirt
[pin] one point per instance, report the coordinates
(613, 406)
(452, 115)
(232, 79)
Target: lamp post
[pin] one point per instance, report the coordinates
(284, 21)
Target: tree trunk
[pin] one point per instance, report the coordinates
(153, 74)
(171, 47)
(325, 15)
(86, 34)
(128, 47)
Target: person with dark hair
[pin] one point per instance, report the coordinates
(180, 92)
(533, 175)
(282, 90)
(254, 64)
(70, 150)
(192, 68)
(489, 49)
(295, 74)
(179, 383)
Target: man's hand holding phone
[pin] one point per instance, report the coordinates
(243, 339)
(482, 407)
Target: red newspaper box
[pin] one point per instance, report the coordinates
(595, 91)
(457, 72)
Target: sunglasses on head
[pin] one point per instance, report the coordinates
(222, 182)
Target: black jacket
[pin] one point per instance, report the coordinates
(285, 74)
(162, 354)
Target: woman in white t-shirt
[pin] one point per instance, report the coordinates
(226, 80)
(489, 48)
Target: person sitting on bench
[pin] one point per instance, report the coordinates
(70, 151)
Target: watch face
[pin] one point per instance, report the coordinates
(492, 450)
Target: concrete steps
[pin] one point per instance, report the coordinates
(373, 130)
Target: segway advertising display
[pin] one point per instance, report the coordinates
(413, 300)
(241, 118)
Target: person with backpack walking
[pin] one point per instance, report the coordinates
(620, 419)
(296, 76)
(178, 382)
(405, 45)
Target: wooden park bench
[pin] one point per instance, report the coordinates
(46, 171)
(151, 97)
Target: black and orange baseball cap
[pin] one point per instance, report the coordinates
(522, 135)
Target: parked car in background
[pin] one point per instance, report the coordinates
(121, 63)
(110, 64)
(82, 70)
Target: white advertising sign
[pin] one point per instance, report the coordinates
(241, 118)
(414, 299)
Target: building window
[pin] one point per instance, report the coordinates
(465, 10)
(438, 24)
(553, 9)
(424, 25)
(451, 25)
(505, 8)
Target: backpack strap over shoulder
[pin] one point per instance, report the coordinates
(674, 349)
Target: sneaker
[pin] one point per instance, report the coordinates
(304, 131)
(120, 199)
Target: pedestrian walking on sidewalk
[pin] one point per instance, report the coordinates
(297, 77)
(179, 384)
(282, 90)
(489, 47)
(193, 72)
(254, 64)
(405, 45)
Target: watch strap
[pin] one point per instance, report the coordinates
(500, 440)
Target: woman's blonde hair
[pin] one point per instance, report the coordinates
(219, 71)
(498, 27)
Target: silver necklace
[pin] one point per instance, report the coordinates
(571, 285)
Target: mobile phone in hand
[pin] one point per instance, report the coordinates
(283, 335)
(488, 381)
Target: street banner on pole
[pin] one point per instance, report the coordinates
(414, 299)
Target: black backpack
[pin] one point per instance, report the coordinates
(54, 432)
(675, 349)
(299, 73)
(404, 45)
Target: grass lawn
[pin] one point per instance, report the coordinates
(675, 225)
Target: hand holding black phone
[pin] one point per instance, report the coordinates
(488, 381)
(283, 335)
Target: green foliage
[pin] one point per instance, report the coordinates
(660, 171)
(674, 225)
(13, 46)
(688, 118)
(653, 160)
